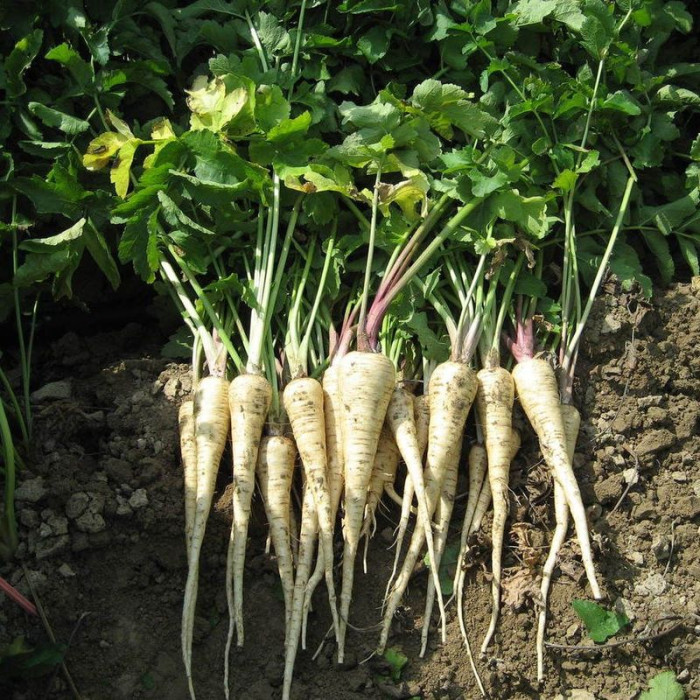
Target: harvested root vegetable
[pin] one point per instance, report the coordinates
(494, 402)
(443, 515)
(421, 418)
(478, 466)
(188, 452)
(366, 383)
(307, 546)
(451, 392)
(303, 401)
(401, 417)
(386, 462)
(275, 472)
(572, 422)
(537, 389)
(334, 455)
(211, 427)
(249, 402)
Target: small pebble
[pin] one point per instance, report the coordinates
(680, 477)
(661, 547)
(571, 630)
(631, 476)
(637, 558)
(66, 571)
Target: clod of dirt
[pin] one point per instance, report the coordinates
(53, 391)
(654, 441)
(31, 490)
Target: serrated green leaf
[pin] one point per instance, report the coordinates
(600, 623)
(357, 7)
(347, 81)
(273, 35)
(658, 244)
(19, 59)
(532, 11)
(99, 251)
(271, 107)
(447, 105)
(678, 12)
(179, 344)
(37, 267)
(52, 117)
(290, 128)
(375, 43)
(410, 195)
(677, 96)
(139, 244)
(44, 149)
(670, 216)
(52, 197)
(664, 686)
(622, 101)
(625, 264)
(598, 28)
(175, 215)
(565, 181)
(68, 57)
(530, 213)
(52, 243)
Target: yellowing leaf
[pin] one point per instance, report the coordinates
(121, 126)
(162, 130)
(102, 149)
(119, 176)
(407, 194)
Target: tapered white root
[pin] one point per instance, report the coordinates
(537, 389)
(211, 425)
(249, 402)
(572, 423)
(494, 402)
(442, 523)
(366, 384)
(452, 390)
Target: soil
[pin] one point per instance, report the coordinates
(101, 524)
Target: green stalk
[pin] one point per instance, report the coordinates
(9, 485)
(362, 343)
(449, 228)
(24, 357)
(260, 315)
(467, 303)
(256, 42)
(304, 347)
(297, 46)
(380, 307)
(505, 304)
(211, 312)
(188, 307)
(298, 362)
(572, 345)
(19, 415)
(288, 238)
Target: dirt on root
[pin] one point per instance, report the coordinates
(100, 509)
